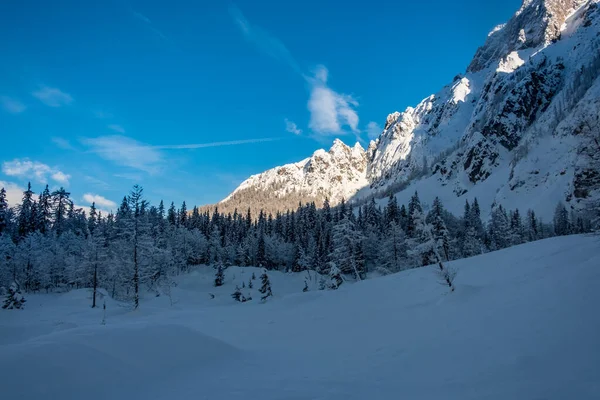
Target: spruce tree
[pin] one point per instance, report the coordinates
(26, 218)
(561, 220)
(3, 210)
(219, 276)
(414, 209)
(265, 289)
(237, 294)
(14, 298)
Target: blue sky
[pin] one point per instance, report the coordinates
(189, 98)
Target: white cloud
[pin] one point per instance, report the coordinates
(38, 171)
(373, 130)
(14, 192)
(291, 127)
(116, 128)
(126, 152)
(263, 40)
(100, 201)
(11, 105)
(330, 111)
(61, 177)
(52, 97)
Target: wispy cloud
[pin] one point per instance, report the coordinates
(215, 144)
(130, 176)
(148, 23)
(102, 114)
(40, 172)
(97, 182)
(142, 17)
(330, 111)
(373, 130)
(126, 152)
(11, 105)
(263, 40)
(291, 127)
(52, 97)
(116, 128)
(130, 153)
(100, 201)
(62, 143)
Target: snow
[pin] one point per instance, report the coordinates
(522, 323)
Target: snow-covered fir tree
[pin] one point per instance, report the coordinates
(265, 288)
(51, 245)
(14, 299)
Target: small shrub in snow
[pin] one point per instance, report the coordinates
(14, 298)
(219, 276)
(335, 277)
(305, 289)
(237, 294)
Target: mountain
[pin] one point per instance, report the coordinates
(335, 174)
(520, 127)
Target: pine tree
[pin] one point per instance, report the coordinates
(26, 216)
(393, 248)
(335, 277)
(261, 258)
(532, 226)
(561, 220)
(172, 215)
(44, 211)
(250, 284)
(219, 276)
(3, 211)
(237, 294)
(93, 218)
(265, 289)
(183, 217)
(440, 231)
(414, 208)
(429, 246)
(392, 212)
(14, 298)
(499, 229)
(61, 204)
(139, 237)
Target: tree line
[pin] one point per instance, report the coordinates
(46, 244)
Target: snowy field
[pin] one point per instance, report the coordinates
(522, 324)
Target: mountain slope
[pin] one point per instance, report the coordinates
(522, 324)
(520, 126)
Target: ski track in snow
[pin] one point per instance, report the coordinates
(522, 324)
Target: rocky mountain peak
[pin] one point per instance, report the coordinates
(536, 23)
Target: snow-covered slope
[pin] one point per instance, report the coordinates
(337, 173)
(522, 324)
(523, 122)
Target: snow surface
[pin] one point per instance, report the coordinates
(522, 324)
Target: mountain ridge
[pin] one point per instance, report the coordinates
(527, 98)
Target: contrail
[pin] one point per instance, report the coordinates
(214, 144)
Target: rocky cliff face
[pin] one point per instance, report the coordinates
(519, 127)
